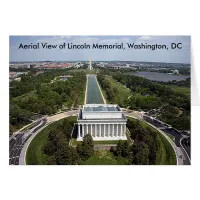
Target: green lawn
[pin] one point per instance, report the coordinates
(105, 158)
(183, 90)
(82, 96)
(123, 91)
(165, 154)
(34, 155)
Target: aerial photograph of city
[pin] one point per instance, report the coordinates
(99, 100)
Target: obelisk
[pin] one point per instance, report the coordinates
(90, 60)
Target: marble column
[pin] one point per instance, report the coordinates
(99, 130)
(95, 130)
(121, 129)
(86, 128)
(113, 129)
(117, 130)
(109, 133)
(124, 132)
(91, 129)
(78, 130)
(82, 130)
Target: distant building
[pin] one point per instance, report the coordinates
(12, 74)
(55, 66)
(15, 76)
(102, 122)
(19, 65)
(175, 71)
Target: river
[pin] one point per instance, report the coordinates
(155, 76)
(93, 93)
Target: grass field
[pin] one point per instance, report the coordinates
(182, 90)
(34, 155)
(82, 95)
(165, 154)
(105, 158)
(123, 91)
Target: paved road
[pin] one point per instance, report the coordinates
(183, 158)
(178, 136)
(17, 142)
(49, 120)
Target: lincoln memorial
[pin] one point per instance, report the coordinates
(102, 121)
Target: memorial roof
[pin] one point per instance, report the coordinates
(103, 108)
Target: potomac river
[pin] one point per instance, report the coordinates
(155, 76)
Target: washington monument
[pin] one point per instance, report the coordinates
(90, 66)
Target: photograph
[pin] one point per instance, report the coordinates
(99, 100)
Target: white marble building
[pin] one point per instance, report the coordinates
(102, 121)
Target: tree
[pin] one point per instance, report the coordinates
(86, 149)
(140, 153)
(51, 160)
(119, 148)
(67, 129)
(87, 140)
(66, 155)
(49, 148)
(123, 149)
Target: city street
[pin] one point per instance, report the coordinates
(17, 142)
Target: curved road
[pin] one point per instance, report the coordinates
(49, 120)
(19, 140)
(182, 155)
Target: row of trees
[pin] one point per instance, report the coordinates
(183, 83)
(112, 93)
(18, 117)
(48, 98)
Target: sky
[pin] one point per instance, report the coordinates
(142, 55)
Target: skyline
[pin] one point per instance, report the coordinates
(139, 55)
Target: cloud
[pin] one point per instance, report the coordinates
(145, 37)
